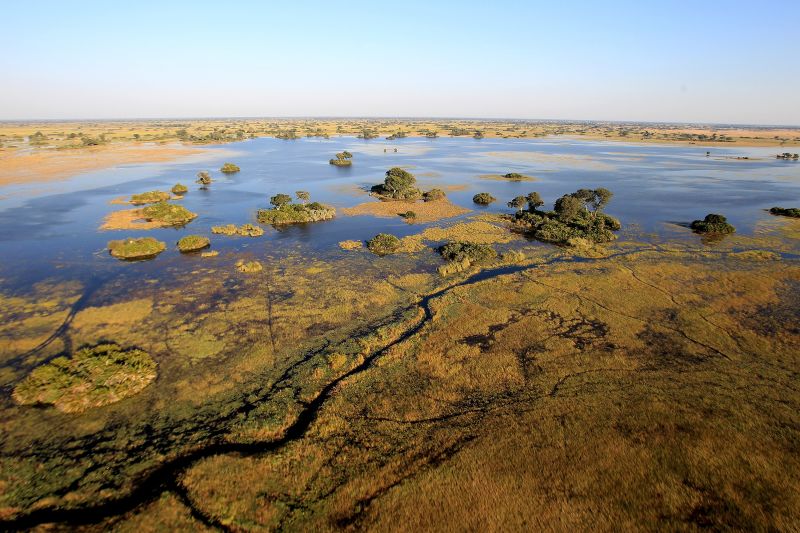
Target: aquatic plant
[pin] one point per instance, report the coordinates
(141, 248)
(91, 377)
(398, 184)
(229, 168)
(168, 214)
(149, 197)
(483, 198)
(712, 223)
(288, 213)
(245, 230)
(179, 189)
(434, 195)
(383, 244)
(351, 245)
(193, 243)
(793, 212)
(248, 267)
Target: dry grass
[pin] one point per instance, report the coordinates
(426, 211)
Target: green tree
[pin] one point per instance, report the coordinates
(204, 178)
(398, 180)
(518, 203)
(303, 196)
(534, 200)
(280, 200)
(568, 207)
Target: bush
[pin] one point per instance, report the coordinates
(141, 248)
(483, 198)
(409, 215)
(279, 200)
(203, 178)
(712, 223)
(296, 213)
(793, 212)
(383, 244)
(245, 230)
(229, 168)
(149, 197)
(398, 185)
(179, 189)
(168, 214)
(193, 243)
(460, 251)
(514, 176)
(434, 195)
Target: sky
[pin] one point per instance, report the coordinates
(673, 61)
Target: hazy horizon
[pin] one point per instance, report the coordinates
(717, 63)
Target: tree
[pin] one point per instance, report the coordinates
(303, 196)
(279, 200)
(568, 207)
(518, 203)
(204, 178)
(594, 199)
(347, 155)
(534, 200)
(398, 180)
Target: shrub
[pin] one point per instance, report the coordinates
(303, 196)
(229, 168)
(483, 198)
(179, 189)
(514, 176)
(383, 244)
(793, 212)
(296, 213)
(409, 215)
(193, 243)
(460, 251)
(712, 223)
(398, 185)
(517, 203)
(141, 248)
(245, 230)
(350, 245)
(433, 195)
(149, 197)
(203, 178)
(279, 200)
(168, 214)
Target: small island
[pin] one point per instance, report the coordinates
(179, 189)
(343, 159)
(286, 212)
(150, 197)
(229, 168)
(714, 224)
(245, 230)
(792, 212)
(483, 198)
(383, 244)
(398, 184)
(136, 249)
(193, 243)
(168, 214)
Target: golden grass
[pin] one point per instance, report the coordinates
(426, 211)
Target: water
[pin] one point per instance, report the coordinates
(51, 230)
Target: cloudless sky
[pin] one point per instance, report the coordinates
(673, 60)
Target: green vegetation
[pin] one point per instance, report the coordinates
(168, 214)
(470, 251)
(514, 176)
(229, 168)
(179, 189)
(351, 245)
(245, 230)
(204, 179)
(149, 197)
(409, 215)
(433, 195)
(399, 184)
(132, 249)
(483, 198)
(787, 155)
(517, 203)
(193, 243)
(712, 223)
(249, 267)
(383, 244)
(576, 216)
(793, 212)
(92, 377)
(303, 196)
(286, 212)
(343, 159)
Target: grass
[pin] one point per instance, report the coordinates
(149, 197)
(168, 214)
(245, 230)
(132, 249)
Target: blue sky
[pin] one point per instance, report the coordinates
(713, 61)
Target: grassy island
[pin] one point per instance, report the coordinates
(150, 197)
(229, 168)
(92, 377)
(179, 189)
(245, 230)
(483, 198)
(398, 184)
(193, 243)
(168, 214)
(343, 159)
(792, 212)
(285, 212)
(576, 216)
(383, 244)
(133, 249)
(712, 223)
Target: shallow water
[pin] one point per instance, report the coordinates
(51, 231)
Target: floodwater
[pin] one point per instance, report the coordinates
(52, 231)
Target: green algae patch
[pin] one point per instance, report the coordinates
(92, 377)
(193, 243)
(229, 168)
(713, 223)
(248, 267)
(245, 230)
(351, 245)
(150, 197)
(168, 214)
(296, 214)
(131, 249)
(383, 244)
(179, 189)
